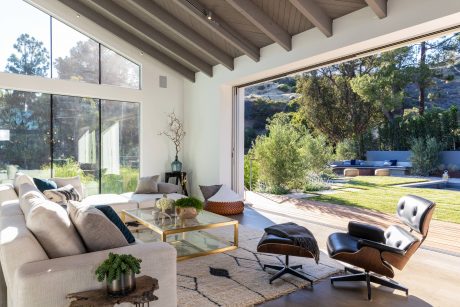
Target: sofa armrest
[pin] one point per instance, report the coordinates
(366, 231)
(47, 282)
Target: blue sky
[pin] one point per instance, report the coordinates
(19, 17)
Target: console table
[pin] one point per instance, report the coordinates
(181, 178)
(142, 296)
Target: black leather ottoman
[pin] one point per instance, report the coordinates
(272, 244)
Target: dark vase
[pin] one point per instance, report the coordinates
(123, 285)
(176, 165)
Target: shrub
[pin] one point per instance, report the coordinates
(247, 171)
(315, 182)
(279, 162)
(316, 154)
(70, 168)
(425, 156)
(284, 88)
(348, 149)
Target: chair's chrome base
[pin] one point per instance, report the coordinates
(368, 278)
(286, 269)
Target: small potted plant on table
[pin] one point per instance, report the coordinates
(119, 271)
(188, 207)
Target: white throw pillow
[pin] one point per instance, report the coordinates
(63, 195)
(96, 230)
(52, 227)
(74, 181)
(225, 195)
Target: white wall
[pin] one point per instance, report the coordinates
(156, 151)
(206, 106)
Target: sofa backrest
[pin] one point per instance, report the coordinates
(7, 193)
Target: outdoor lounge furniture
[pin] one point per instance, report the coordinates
(220, 199)
(374, 250)
(274, 244)
(351, 172)
(382, 172)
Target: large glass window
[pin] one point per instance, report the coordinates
(120, 146)
(63, 136)
(34, 43)
(75, 57)
(76, 139)
(24, 134)
(25, 41)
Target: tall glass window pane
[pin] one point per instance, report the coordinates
(117, 70)
(76, 139)
(25, 41)
(120, 146)
(24, 134)
(75, 56)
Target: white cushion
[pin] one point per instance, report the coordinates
(225, 195)
(10, 208)
(74, 181)
(20, 179)
(96, 230)
(7, 193)
(51, 225)
(117, 202)
(149, 200)
(28, 196)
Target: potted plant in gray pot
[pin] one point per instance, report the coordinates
(119, 271)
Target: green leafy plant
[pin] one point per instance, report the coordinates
(188, 202)
(425, 156)
(115, 265)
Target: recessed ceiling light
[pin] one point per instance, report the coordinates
(78, 15)
(142, 52)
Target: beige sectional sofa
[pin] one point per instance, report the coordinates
(28, 277)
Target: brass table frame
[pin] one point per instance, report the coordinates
(165, 233)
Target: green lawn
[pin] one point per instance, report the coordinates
(381, 194)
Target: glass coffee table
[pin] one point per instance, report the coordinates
(190, 237)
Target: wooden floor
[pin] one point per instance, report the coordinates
(432, 276)
(443, 236)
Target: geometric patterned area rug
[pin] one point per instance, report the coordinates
(236, 278)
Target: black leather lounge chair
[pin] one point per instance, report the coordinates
(374, 250)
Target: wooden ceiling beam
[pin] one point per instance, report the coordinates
(315, 14)
(379, 7)
(258, 17)
(129, 38)
(179, 28)
(153, 35)
(219, 27)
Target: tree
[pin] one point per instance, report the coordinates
(32, 57)
(331, 107)
(386, 82)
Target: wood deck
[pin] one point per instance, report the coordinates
(442, 237)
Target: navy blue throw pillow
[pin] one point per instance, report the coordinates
(115, 219)
(394, 162)
(45, 184)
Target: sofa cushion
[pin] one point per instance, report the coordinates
(51, 225)
(74, 181)
(168, 188)
(225, 195)
(148, 200)
(209, 190)
(115, 219)
(148, 185)
(20, 179)
(44, 184)
(117, 202)
(7, 193)
(63, 195)
(96, 230)
(29, 195)
(10, 208)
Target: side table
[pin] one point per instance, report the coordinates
(181, 178)
(142, 296)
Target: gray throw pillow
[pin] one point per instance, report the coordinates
(168, 188)
(63, 195)
(52, 227)
(96, 230)
(148, 185)
(20, 179)
(209, 190)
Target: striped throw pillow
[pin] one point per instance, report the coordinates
(63, 195)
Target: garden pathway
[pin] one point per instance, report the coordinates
(443, 236)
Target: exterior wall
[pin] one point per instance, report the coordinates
(156, 151)
(208, 147)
